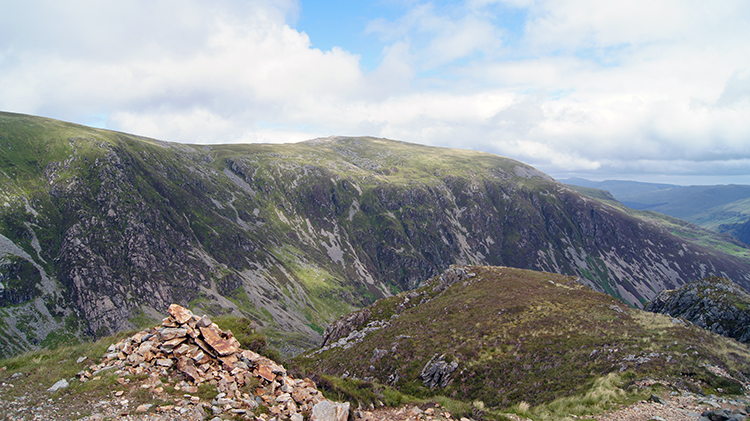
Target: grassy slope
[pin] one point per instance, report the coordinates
(731, 213)
(521, 335)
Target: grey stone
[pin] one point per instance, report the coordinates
(656, 399)
(62, 384)
(203, 322)
(330, 411)
(717, 415)
(437, 372)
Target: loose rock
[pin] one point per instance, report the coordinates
(62, 384)
(197, 350)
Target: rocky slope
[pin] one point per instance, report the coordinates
(716, 304)
(505, 336)
(187, 368)
(100, 231)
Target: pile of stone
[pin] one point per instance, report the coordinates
(199, 352)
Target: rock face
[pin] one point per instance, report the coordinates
(180, 348)
(342, 327)
(437, 372)
(716, 304)
(330, 411)
(100, 231)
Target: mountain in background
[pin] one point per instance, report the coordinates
(721, 208)
(100, 231)
(620, 189)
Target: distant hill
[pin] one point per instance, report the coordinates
(720, 208)
(740, 231)
(620, 189)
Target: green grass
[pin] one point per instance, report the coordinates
(40, 370)
(606, 393)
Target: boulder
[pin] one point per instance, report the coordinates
(60, 385)
(330, 411)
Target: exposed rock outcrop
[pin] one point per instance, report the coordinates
(712, 303)
(344, 326)
(450, 276)
(437, 372)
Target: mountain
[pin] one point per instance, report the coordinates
(100, 231)
(716, 304)
(720, 208)
(504, 336)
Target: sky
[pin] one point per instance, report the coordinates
(642, 90)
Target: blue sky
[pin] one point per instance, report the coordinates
(344, 26)
(348, 25)
(643, 90)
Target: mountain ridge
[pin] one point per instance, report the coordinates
(102, 230)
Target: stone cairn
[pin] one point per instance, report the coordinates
(196, 349)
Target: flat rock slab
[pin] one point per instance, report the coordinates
(265, 372)
(180, 314)
(170, 333)
(213, 338)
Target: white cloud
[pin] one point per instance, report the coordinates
(587, 86)
(736, 90)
